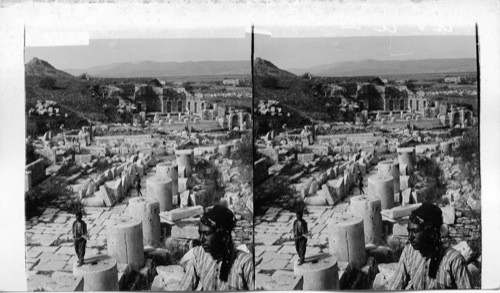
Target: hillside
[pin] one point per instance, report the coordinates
(297, 94)
(76, 96)
(167, 69)
(393, 67)
(40, 68)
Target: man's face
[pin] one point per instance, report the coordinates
(416, 235)
(210, 241)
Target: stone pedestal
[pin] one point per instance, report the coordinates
(390, 168)
(319, 272)
(346, 239)
(99, 274)
(161, 190)
(184, 162)
(368, 208)
(382, 186)
(125, 242)
(225, 150)
(406, 156)
(168, 170)
(147, 210)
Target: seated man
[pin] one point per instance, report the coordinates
(217, 265)
(425, 264)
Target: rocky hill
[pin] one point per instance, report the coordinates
(38, 67)
(75, 96)
(265, 68)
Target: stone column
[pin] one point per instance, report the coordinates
(241, 118)
(125, 242)
(147, 210)
(382, 186)
(161, 190)
(368, 207)
(390, 168)
(319, 273)
(100, 276)
(166, 171)
(184, 162)
(230, 121)
(346, 239)
(406, 157)
(225, 150)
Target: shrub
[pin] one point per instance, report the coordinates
(47, 195)
(47, 83)
(270, 82)
(276, 191)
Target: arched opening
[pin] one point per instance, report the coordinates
(391, 105)
(401, 104)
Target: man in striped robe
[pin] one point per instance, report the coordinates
(217, 265)
(425, 264)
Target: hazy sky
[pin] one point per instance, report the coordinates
(100, 52)
(308, 52)
(283, 52)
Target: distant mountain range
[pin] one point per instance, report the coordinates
(166, 69)
(390, 67)
(38, 67)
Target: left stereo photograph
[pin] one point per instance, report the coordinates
(139, 164)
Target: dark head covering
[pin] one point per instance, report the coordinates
(79, 214)
(428, 215)
(219, 218)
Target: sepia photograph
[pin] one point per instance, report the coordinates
(139, 165)
(367, 162)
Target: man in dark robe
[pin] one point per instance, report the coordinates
(138, 185)
(80, 237)
(299, 232)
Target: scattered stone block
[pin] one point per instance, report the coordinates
(464, 248)
(448, 214)
(328, 194)
(316, 200)
(406, 196)
(186, 229)
(400, 211)
(382, 279)
(400, 229)
(305, 158)
(93, 201)
(181, 213)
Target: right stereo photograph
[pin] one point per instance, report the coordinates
(366, 161)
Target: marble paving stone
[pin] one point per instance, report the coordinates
(50, 265)
(52, 256)
(67, 250)
(273, 264)
(288, 249)
(264, 248)
(44, 248)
